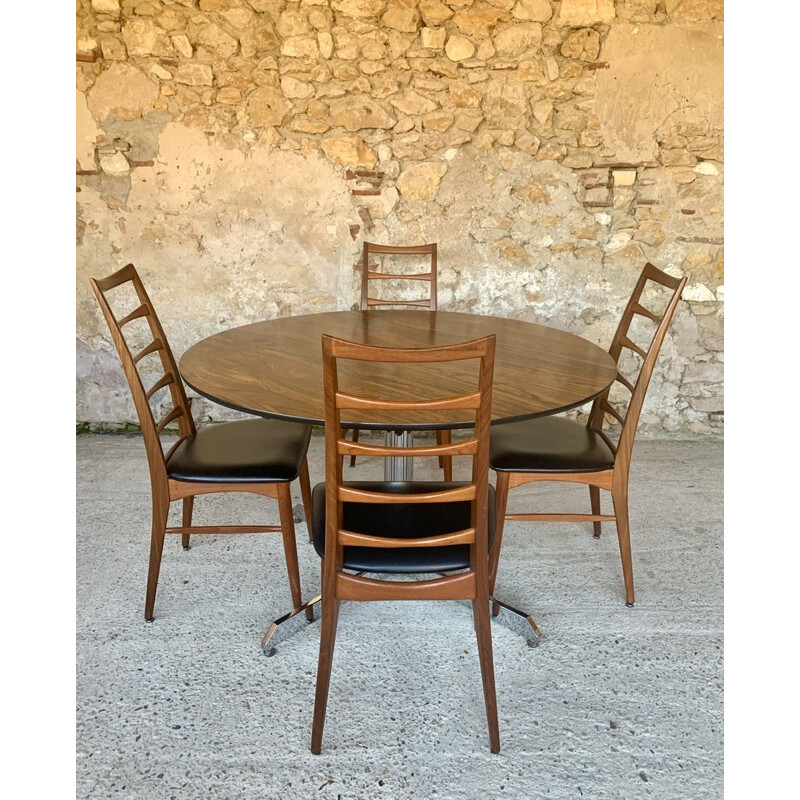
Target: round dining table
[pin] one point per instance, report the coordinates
(273, 369)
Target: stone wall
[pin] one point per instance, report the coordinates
(240, 151)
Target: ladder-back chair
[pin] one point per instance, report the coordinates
(416, 527)
(370, 275)
(559, 449)
(256, 455)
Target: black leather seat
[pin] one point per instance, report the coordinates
(549, 444)
(246, 451)
(404, 520)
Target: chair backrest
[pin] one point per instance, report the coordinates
(478, 399)
(155, 353)
(636, 386)
(368, 274)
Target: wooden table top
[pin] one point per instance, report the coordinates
(274, 368)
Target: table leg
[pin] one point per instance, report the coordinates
(399, 468)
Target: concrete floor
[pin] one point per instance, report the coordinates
(613, 703)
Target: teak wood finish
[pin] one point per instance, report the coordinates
(369, 275)
(614, 480)
(538, 370)
(165, 489)
(473, 583)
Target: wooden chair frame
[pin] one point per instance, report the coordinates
(472, 584)
(614, 480)
(166, 490)
(369, 275)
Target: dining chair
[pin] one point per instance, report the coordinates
(370, 275)
(254, 455)
(559, 449)
(405, 528)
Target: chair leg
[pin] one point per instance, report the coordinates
(290, 546)
(355, 439)
(305, 491)
(159, 530)
(330, 619)
(188, 507)
(619, 494)
(483, 630)
(445, 462)
(594, 496)
(501, 498)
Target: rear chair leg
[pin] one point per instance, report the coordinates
(305, 491)
(188, 507)
(594, 496)
(501, 497)
(159, 530)
(619, 495)
(355, 439)
(290, 546)
(445, 462)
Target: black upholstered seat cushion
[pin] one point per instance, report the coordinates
(248, 451)
(548, 444)
(404, 520)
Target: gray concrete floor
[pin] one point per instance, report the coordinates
(613, 703)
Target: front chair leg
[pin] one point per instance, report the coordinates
(188, 507)
(159, 530)
(330, 620)
(483, 631)
(619, 494)
(290, 547)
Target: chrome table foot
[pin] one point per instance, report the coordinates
(519, 621)
(278, 631)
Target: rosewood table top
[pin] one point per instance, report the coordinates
(274, 368)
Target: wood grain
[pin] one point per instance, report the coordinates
(274, 368)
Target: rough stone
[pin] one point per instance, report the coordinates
(624, 177)
(412, 103)
(434, 12)
(360, 9)
(124, 90)
(437, 121)
(481, 21)
(268, 106)
(113, 48)
(194, 75)
(115, 164)
(518, 39)
(459, 48)
(532, 10)
(229, 96)
(214, 37)
(300, 47)
(183, 45)
(583, 45)
(698, 10)
(358, 112)
(349, 151)
(402, 15)
(143, 37)
(295, 88)
(577, 13)
(106, 7)
(421, 181)
(433, 38)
